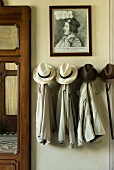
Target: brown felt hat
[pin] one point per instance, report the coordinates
(87, 73)
(107, 73)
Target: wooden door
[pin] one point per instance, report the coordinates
(20, 18)
(8, 123)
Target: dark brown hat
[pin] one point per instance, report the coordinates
(107, 73)
(87, 73)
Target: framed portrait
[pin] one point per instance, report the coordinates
(70, 31)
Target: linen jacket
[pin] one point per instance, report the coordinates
(64, 116)
(45, 121)
(89, 122)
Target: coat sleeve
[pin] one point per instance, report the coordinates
(85, 130)
(97, 124)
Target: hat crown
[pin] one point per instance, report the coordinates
(43, 69)
(109, 71)
(88, 73)
(65, 70)
(88, 69)
(43, 73)
(66, 74)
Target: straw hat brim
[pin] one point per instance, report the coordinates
(41, 80)
(68, 80)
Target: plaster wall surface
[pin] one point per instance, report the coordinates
(54, 157)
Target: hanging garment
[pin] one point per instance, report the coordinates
(65, 115)
(107, 75)
(45, 122)
(89, 123)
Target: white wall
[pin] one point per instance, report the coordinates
(54, 157)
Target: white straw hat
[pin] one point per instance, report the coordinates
(66, 74)
(43, 73)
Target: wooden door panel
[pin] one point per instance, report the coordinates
(8, 165)
(1, 125)
(10, 124)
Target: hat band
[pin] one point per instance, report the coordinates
(45, 76)
(66, 76)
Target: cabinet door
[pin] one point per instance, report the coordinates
(15, 87)
(8, 165)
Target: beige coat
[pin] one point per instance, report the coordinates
(89, 123)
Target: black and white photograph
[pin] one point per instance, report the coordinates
(70, 31)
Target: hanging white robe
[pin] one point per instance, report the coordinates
(45, 122)
(64, 115)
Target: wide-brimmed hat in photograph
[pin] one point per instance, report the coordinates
(88, 73)
(43, 73)
(107, 73)
(66, 74)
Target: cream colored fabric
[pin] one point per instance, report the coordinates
(11, 91)
(89, 123)
(97, 124)
(11, 95)
(10, 66)
(65, 114)
(45, 122)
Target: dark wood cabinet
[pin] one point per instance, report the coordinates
(15, 49)
(8, 165)
(8, 123)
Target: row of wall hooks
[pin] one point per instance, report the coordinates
(66, 120)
